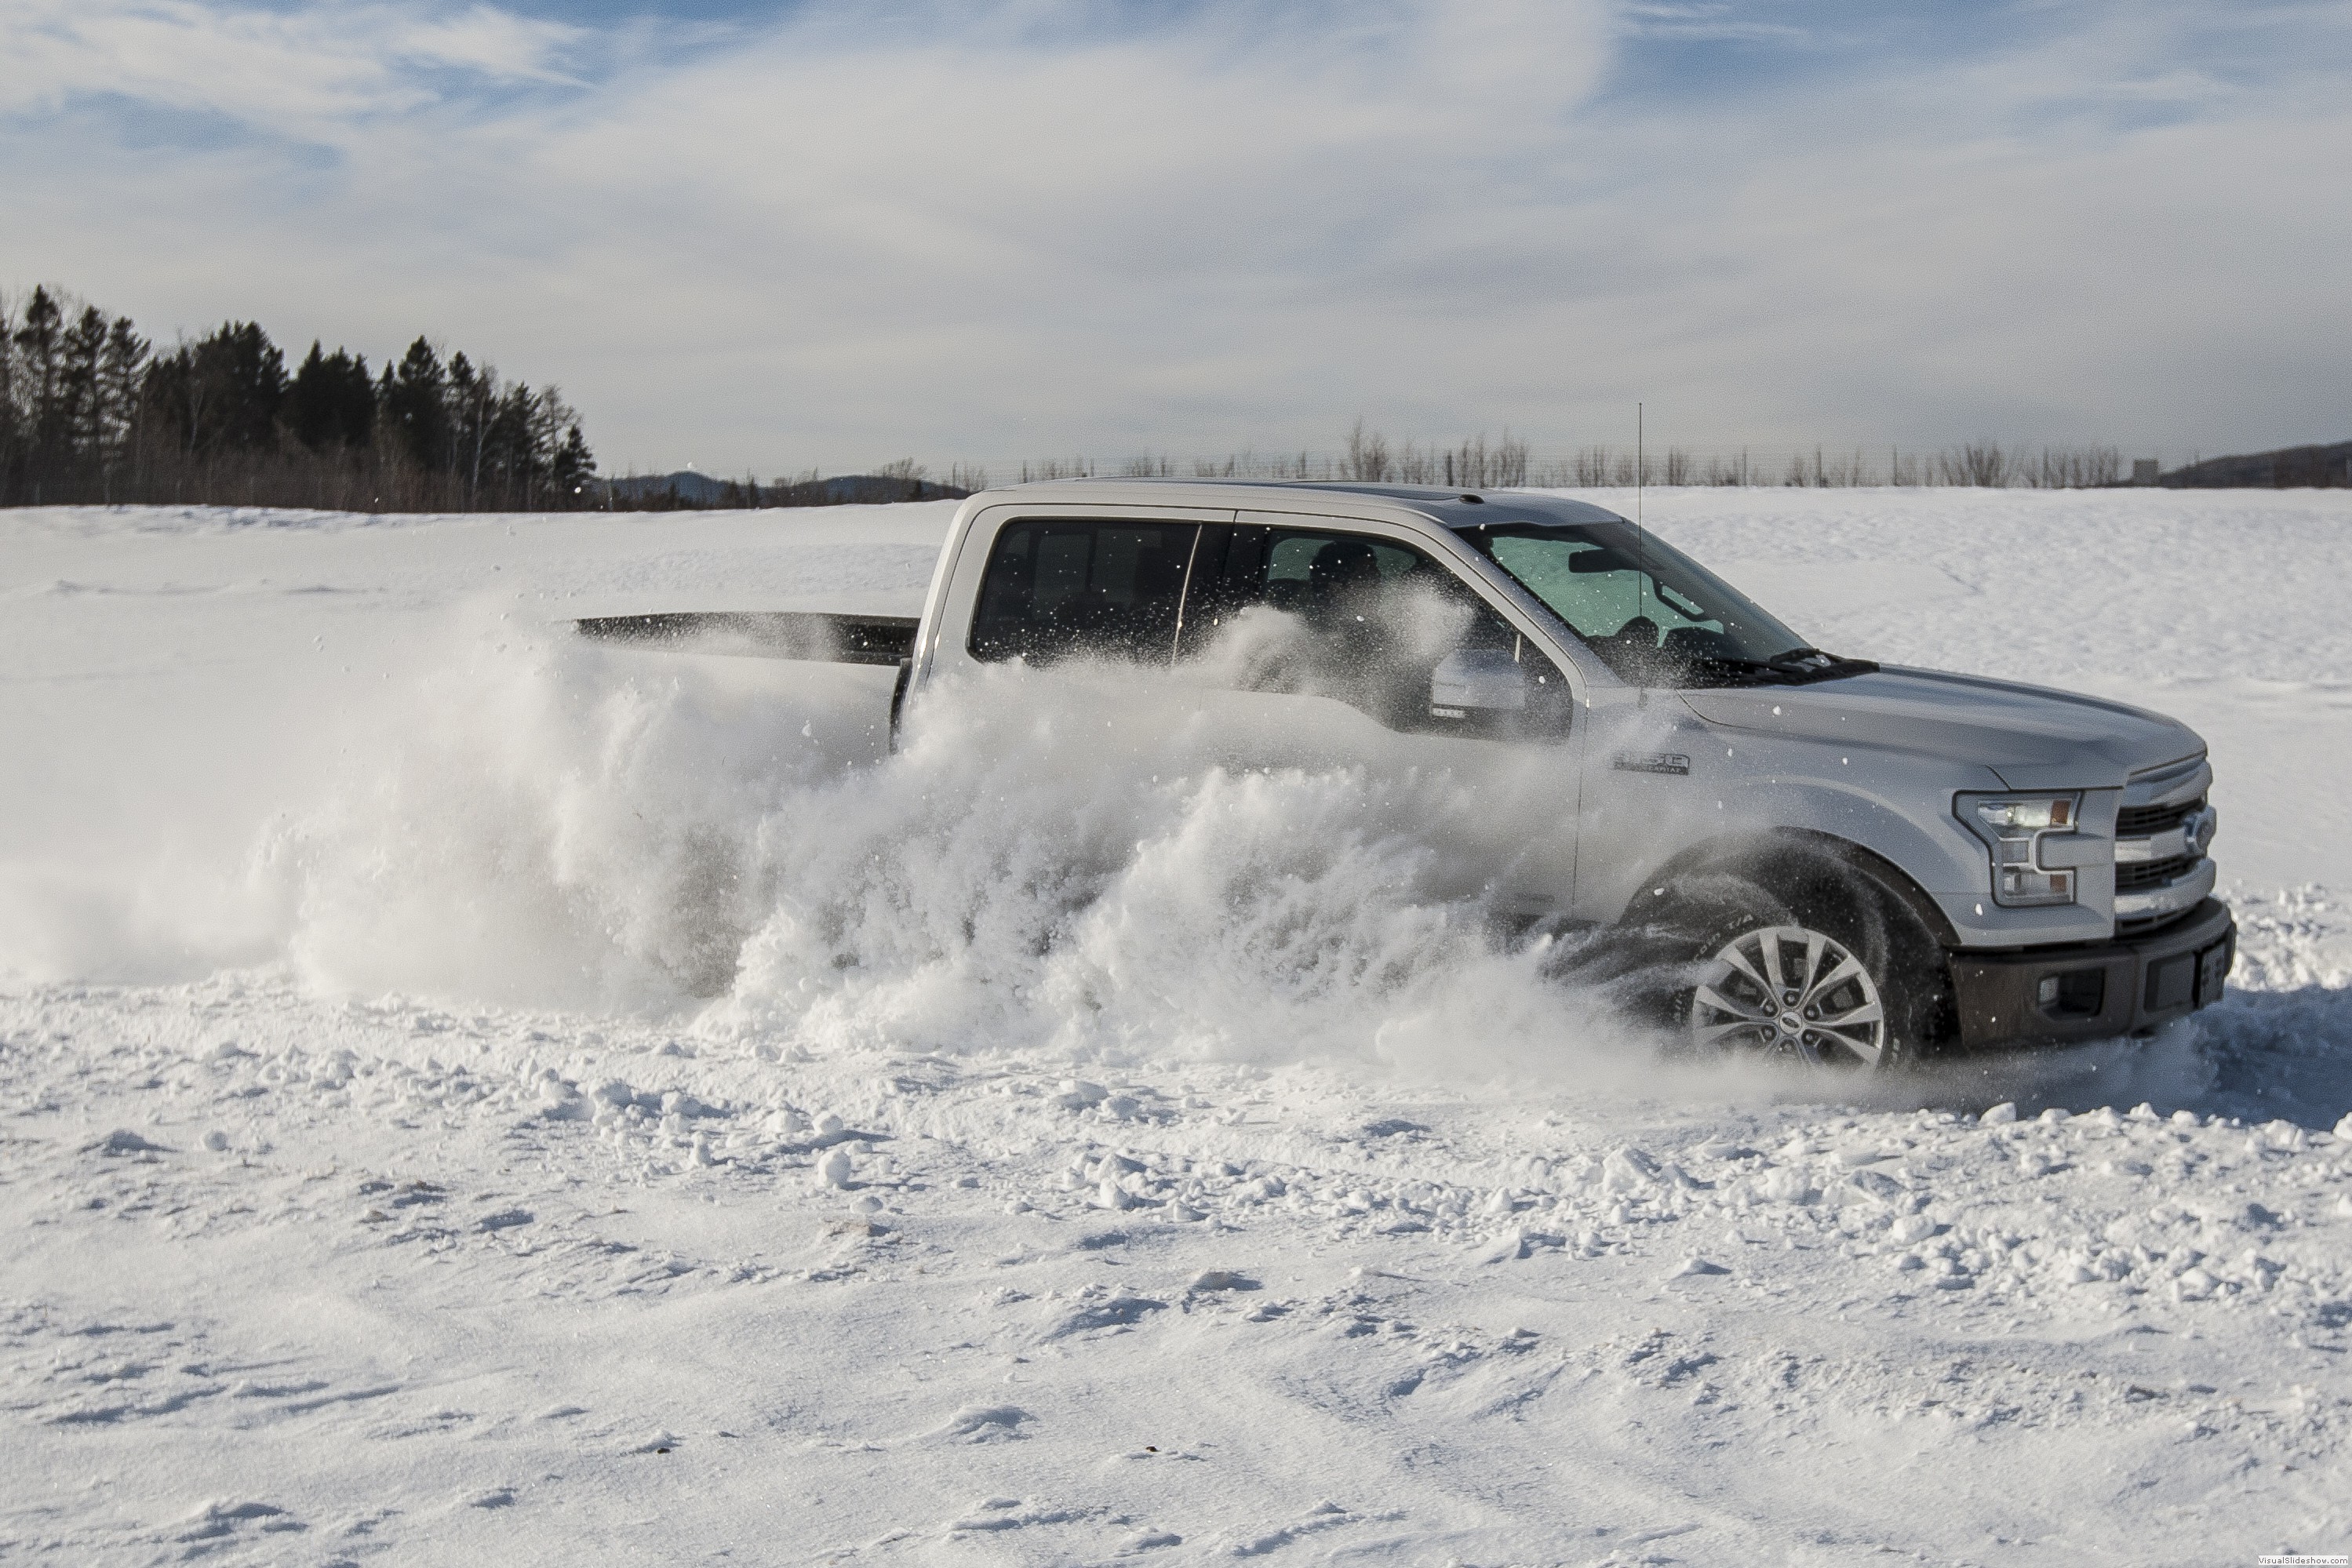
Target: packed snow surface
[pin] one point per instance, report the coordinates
(467, 1094)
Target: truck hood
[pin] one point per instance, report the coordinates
(2030, 736)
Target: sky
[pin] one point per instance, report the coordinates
(766, 237)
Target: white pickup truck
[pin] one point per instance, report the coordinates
(1811, 856)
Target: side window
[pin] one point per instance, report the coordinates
(1374, 624)
(1105, 589)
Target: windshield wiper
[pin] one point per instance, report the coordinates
(1812, 664)
(1796, 667)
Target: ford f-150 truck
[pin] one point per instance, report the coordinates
(1838, 862)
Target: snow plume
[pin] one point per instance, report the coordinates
(542, 823)
(1030, 874)
(527, 820)
(1046, 863)
(1051, 863)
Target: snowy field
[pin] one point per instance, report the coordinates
(468, 1096)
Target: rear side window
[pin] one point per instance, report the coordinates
(1102, 590)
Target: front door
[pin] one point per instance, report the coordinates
(1324, 645)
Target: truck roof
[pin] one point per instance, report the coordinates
(1449, 507)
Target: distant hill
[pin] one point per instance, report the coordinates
(2290, 468)
(697, 489)
(686, 488)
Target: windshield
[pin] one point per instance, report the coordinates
(1652, 614)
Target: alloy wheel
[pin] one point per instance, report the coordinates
(1787, 991)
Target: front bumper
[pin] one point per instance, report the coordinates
(2095, 991)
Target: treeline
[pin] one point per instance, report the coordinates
(92, 411)
(1477, 464)
(2289, 467)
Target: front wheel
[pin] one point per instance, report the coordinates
(1790, 991)
(1835, 972)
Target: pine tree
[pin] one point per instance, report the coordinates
(310, 403)
(81, 429)
(40, 354)
(413, 402)
(331, 401)
(356, 402)
(121, 365)
(575, 466)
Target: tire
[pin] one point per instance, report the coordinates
(1814, 962)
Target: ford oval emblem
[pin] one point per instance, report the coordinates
(2197, 833)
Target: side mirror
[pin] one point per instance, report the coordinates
(1477, 683)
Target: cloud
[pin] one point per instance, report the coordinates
(1715, 21)
(314, 72)
(1047, 226)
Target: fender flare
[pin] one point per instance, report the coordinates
(1754, 855)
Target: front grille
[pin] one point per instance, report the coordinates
(2145, 822)
(2151, 873)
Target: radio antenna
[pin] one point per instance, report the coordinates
(1641, 574)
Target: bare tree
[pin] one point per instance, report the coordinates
(1510, 461)
(2075, 467)
(1982, 463)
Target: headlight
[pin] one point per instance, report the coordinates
(2013, 827)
